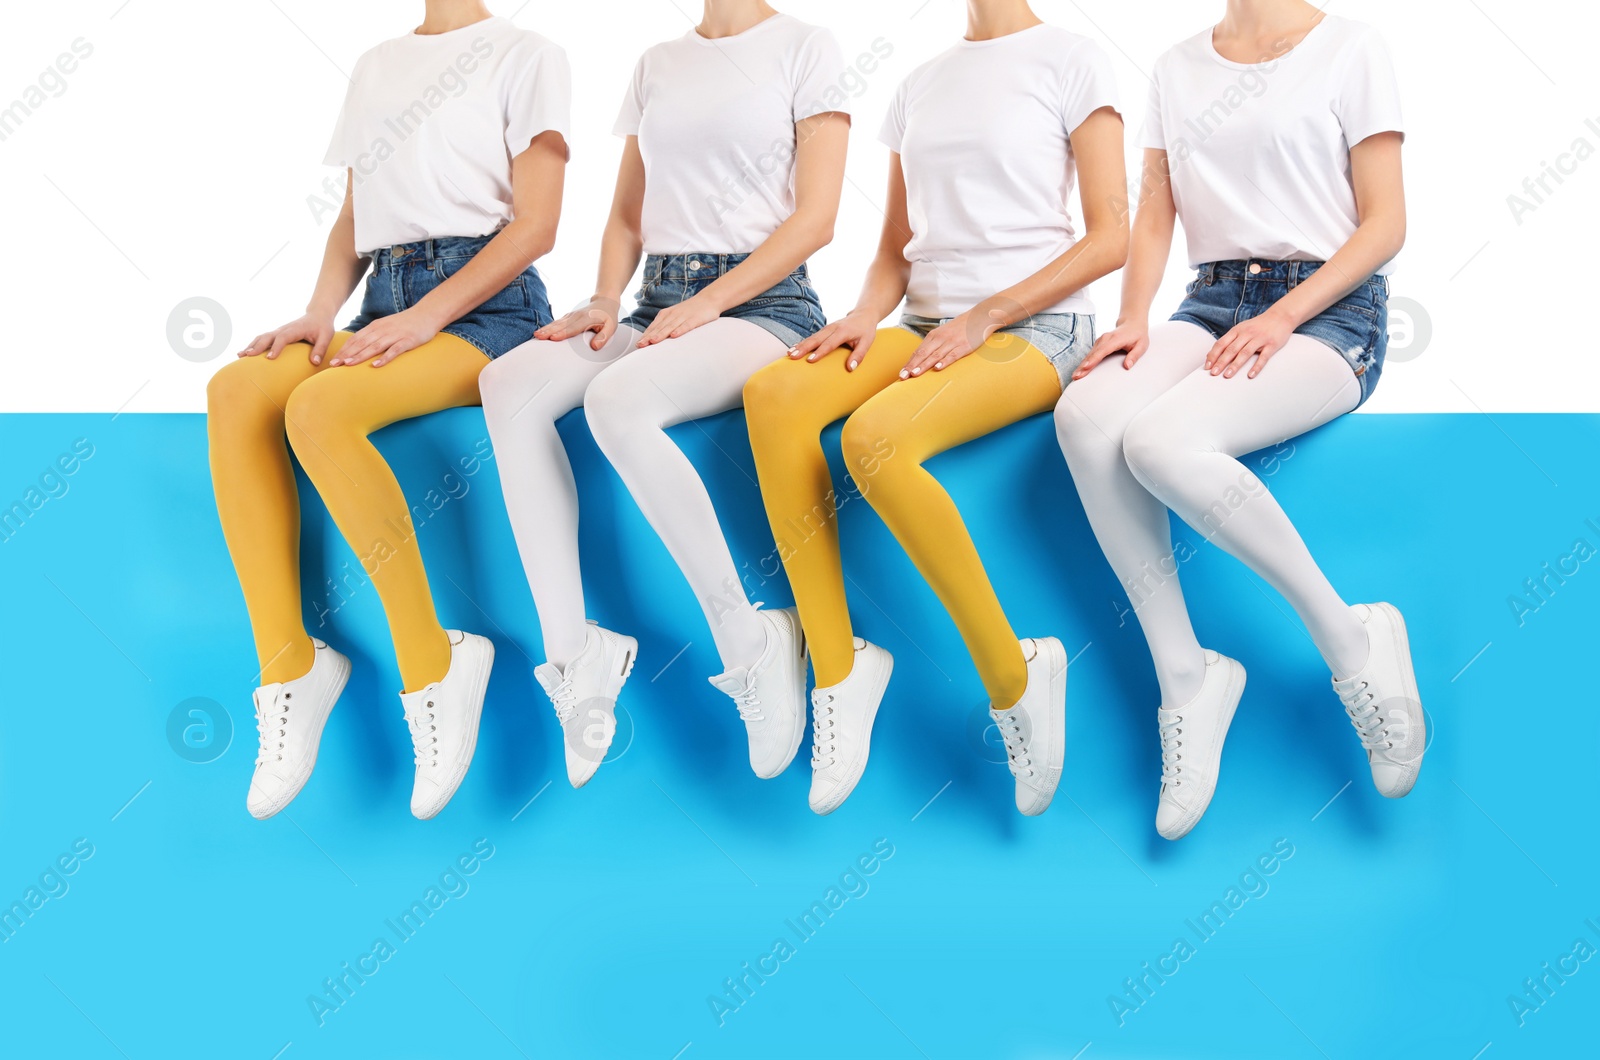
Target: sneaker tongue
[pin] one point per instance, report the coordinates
(549, 677)
(733, 682)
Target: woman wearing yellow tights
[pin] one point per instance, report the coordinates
(450, 221)
(988, 140)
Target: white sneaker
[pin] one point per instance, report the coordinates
(585, 697)
(771, 695)
(289, 719)
(1035, 729)
(1384, 704)
(443, 719)
(841, 726)
(1191, 746)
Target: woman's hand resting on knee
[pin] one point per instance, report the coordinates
(599, 316)
(1131, 339)
(387, 338)
(854, 332)
(317, 330)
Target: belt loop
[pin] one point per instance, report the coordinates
(429, 244)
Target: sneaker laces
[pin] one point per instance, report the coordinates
(564, 698)
(824, 732)
(748, 702)
(1361, 704)
(1016, 743)
(272, 725)
(424, 734)
(1171, 730)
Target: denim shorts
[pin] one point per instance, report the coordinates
(790, 310)
(402, 274)
(1224, 293)
(1065, 338)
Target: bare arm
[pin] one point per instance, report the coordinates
(820, 145)
(538, 177)
(882, 290)
(342, 269)
(620, 249)
(1102, 184)
(1376, 174)
(1151, 246)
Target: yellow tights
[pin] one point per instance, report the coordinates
(255, 407)
(894, 427)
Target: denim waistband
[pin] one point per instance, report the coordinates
(1290, 272)
(658, 267)
(429, 249)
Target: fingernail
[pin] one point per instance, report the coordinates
(904, 374)
(852, 365)
(938, 364)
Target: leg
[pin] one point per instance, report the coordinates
(787, 405)
(1132, 526)
(329, 419)
(631, 404)
(524, 393)
(1182, 448)
(910, 421)
(257, 501)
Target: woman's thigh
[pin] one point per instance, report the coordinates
(973, 397)
(442, 373)
(695, 375)
(263, 381)
(1109, 397)
(1305, 385)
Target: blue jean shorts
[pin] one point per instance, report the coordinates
(1225, 293)
(402, 274)
(790, 309)
(1065, 338)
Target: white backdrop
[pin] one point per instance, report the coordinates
(177, 158)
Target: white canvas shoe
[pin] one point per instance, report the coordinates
(841, 726)
(584, 696)
(443, 719)
(289, 719)
(1034, 730)
(771, 695)
(1383, 702)
(1191, 746)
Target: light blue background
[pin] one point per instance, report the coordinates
(607, 917)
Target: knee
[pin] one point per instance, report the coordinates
(318, 418)
(764, 394)
(872, 441)
(1076, 429)
(616, 407)
(500, 387)
(236, 392)
(1150, 448)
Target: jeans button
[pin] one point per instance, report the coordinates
(694, 266)
(1255, 268)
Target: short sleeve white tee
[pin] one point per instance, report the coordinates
(983, 135)
(1260, 152)
(431, 122)
(716, 126)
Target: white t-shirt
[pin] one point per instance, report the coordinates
(1260, 152)
(715, 121)
(431, 123)
(982, 131)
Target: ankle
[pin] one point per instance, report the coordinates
(290, 662)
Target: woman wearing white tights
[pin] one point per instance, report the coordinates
(726, 187)
(1292, 203)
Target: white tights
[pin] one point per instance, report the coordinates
(1165, 434)
(630, 397)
